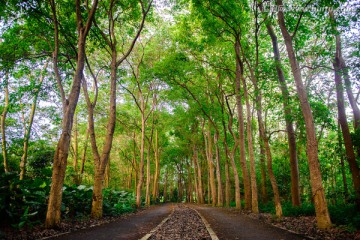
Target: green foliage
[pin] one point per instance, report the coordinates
(345, 214)
(118, 202)
(24, 203)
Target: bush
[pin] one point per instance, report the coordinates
(117, 202)
(24, 203)
(345, 214)
(306, 209)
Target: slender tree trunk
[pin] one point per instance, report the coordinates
(196, 185)
(295, 185)
(254, 193)
(321, 209)
(199, 176)
(227, 179)
(342, 164)
(209, 154)
(246, 179)
(157, 168)
(83, 159)
(232, 157)
(165, 186)
(76, 150)
(220, 200)
(107, 175)
(277, 202)
(141, 166)
(3, 126)
(27, 132)
(350, 154)
(148, 177)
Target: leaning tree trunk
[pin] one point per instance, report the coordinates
(295, 185)
(210, 161)
(321, 209)
(239, 73)
(350, 154)
(157, 168)
(148, 177)
(27, 133)
(220, 200)
(53, 214)
(254, 193)
(232, 157)
(3, 127)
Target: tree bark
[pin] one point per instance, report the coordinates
(209, 154)
(3, 126)
(148, 177)
(220, 200)
(254, 193)
(350, 154)
(199, 176)
(321, 209)
(239, 75)
(277, 202)
(157, 168)
(27, 132)
(342, 164)
(295, 185)
(53, 214)
(232, 157)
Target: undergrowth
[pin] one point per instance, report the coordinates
(344, 215)
(24, 203)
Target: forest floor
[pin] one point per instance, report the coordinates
(179, 221)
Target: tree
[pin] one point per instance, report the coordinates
(321, 209)
(69, 106)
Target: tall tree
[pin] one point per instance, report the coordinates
(3, 125)
(28, 126)
(321, 209)
(295, 185)
(53, 214)
(350, 154)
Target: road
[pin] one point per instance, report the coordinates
(226, 223)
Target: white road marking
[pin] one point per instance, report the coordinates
(207, 225)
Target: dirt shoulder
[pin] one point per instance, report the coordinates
(234, 225)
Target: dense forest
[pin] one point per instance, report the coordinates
(108, 106)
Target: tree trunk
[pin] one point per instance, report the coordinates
(141, 166)
(210, 161)
(227, 180)
(232, 156)
(220, 200)
(53, 214)
(3, 126)
(239, 73)
(350, 154)
(199, 176)
(76, 150)
(165, 186)
(321, 209)
(107, 175)
(277, 202)
(148, 177)
(157, 168)
(27, 132)
(83, 159)
(254, 193)
(295, 185)
(342, 164)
